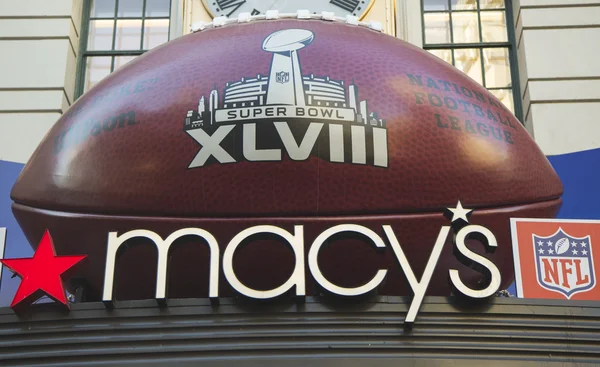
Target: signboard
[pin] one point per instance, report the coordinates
(43, 273)
(556, 258)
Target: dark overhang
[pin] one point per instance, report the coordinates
(191, 332)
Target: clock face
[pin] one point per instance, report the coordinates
(231, 8)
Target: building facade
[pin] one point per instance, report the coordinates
(536, 56)
(549, 45)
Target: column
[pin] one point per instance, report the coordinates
(39, 40)
(557, 44)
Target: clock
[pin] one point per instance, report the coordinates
(231, 8)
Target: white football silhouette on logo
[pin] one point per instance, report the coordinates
(561, 246)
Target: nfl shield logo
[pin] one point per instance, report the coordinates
(283, 77)
(564, 264)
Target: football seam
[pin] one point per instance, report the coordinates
(274, 216)
(275, 15)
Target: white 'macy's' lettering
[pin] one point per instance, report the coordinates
(477, 262)
(313, 262)
(418, 288)
(297, 280)
(163, 246)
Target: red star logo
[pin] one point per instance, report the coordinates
(42, 273)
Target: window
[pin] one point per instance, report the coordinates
(115, 32)
(473, 36)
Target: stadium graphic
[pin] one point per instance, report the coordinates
(298, 100)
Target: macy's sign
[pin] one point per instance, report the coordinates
(296, 283)
(43, 271)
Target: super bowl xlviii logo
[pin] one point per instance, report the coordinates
(287, 112)
(564, 263)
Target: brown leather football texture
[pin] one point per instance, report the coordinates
(282, 122)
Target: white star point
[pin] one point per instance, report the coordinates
(460, 213)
